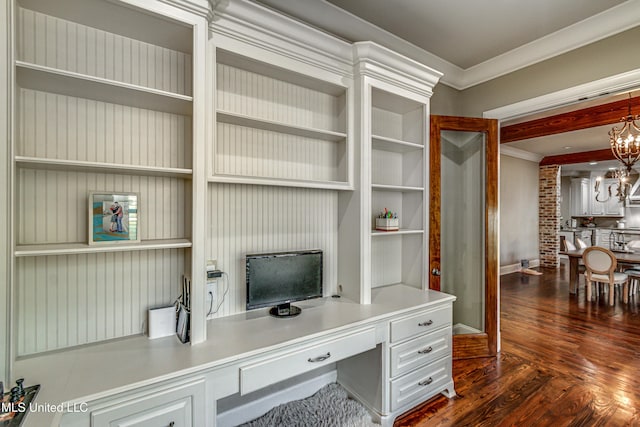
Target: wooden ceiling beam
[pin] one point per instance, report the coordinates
(598, 115)
(584, 157)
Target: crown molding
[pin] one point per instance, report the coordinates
(384, 64)
(610, 85)
(331, 18)
(605, 24)
(203, 8)
(520, 154)
(274, 33)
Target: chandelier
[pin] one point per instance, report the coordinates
(625, 141)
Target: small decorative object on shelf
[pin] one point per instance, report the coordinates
(387, 221)
(15, 404)
(113, 217)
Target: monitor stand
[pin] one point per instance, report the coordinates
(284, 310)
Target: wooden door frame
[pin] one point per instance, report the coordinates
(473, 345)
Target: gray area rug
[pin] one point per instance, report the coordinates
(330, 407)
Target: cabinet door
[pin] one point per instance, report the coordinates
(169, 405)
(613, 206)
(580, 205)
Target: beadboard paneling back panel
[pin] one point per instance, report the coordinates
(259, 219)
(67, 128)
(53, 205)
(396, 259)
(386, 123)
(244, 92)
(57, 43)
(68, 300)
(254, 152)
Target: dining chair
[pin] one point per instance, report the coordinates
(634, 280)
(568, 246)
(581, 243)
(600, 264)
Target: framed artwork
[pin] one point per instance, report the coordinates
(113, 217)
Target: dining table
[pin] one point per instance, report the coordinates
(623, 257)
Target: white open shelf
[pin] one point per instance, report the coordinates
(118, 18)
(54, 80)
(84, 248)
(281, 182)
(400, 188)
(307, 132)
(395, 145)
(98, 167)
(378, 233)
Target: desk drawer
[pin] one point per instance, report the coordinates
(420, 384)
(295, 362)
(420, 351)
(420, 323)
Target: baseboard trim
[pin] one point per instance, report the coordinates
(252, 410)
(514, 268)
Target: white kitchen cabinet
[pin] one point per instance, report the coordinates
(606, 202)
(580, 205)
(585, 203)
(613, 206)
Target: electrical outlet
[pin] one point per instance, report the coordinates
(212, 295)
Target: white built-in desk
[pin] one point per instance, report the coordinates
(391, 355)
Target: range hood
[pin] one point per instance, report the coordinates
(634, 194)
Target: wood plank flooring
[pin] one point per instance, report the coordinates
(564, 362)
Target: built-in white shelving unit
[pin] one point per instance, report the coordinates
(250, 132)
(393, 108)
(53, 80)
(281, 149)
(99, 167)
(81, 248)
(398, 181)
(100, 106)
(279, 127)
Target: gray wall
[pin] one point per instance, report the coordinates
(519, 178)
(608, 57)
(445, 101)
(518, 210)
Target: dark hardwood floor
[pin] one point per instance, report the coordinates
(564, 362)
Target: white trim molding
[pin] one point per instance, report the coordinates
(608, 86)
(376, 61)
(6, 213)
(514, 268)
(278, 38)
(605, 24)
(520, 154)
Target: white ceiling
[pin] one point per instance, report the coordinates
(470, 41)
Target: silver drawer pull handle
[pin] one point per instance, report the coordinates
(425, 350)
(427, 323)
(319, 358)
(426, 382)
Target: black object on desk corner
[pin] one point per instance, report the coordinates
(16, 403)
